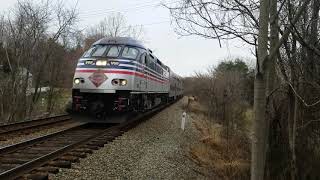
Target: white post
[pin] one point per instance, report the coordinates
(183, 120)
(42, 101)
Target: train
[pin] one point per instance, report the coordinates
(120, 75)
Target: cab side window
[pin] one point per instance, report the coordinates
(150, 62)
(143, 58)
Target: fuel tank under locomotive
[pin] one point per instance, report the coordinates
(99, 106)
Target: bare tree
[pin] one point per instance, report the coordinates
(249, 21)
(29, 34)
(217, 19)
(112, 26)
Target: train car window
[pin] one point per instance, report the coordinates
(114, 51)
(130, 53)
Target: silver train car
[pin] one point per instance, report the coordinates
(118, 75)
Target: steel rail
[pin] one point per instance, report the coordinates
(28, 166)
(26, 125)
(27, 143)
(38, 162)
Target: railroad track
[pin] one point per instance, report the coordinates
(21, 127)
(35, 158)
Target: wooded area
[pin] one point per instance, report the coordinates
(285, 39)
(40, 46)
(34, 41)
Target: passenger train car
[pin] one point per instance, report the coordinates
(118, 75)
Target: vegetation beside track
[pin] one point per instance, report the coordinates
(61, 97)
(221, 109)
(220, 152)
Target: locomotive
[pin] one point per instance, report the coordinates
(119, 75)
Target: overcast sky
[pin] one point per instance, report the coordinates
(185, 55)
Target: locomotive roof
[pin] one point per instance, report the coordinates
(120, 40)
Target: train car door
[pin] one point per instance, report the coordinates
(143, 84)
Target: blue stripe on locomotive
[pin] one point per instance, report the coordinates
(124, 67)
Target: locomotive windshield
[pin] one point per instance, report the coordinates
(112, 51)
(130, 53)
(100, 51)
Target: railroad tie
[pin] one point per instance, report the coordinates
(44, 148)
(77, 154)
(60, 164)
(93, 147)
(13, 161)
(69, 158)
(36, 150)
(96, 143)
(6, 166)
(22, 156)
(37, 176)
(84, 150)
(48, 169)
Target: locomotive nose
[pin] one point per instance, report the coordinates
(98, 77)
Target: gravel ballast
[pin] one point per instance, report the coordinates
(155, 149)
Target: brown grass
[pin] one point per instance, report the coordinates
(195, 107)
(221, 157)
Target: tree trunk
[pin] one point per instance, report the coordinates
(274, 40)
(292, 131)
(271, 76)
(260, 125)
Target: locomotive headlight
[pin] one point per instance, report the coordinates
(101, 62)
(119, 82)
(123, 82)
(76, 81)
(115, 82)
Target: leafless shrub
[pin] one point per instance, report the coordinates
(221, 158)
(220, 116)
(223, 92)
